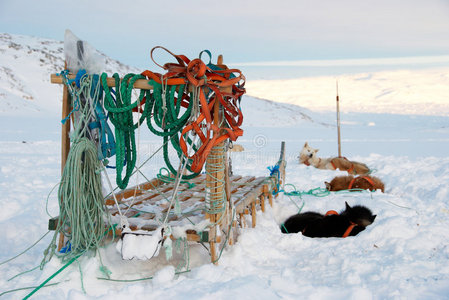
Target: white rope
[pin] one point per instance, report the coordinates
(181, 169)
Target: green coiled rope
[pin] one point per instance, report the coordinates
(81, 206)
(120, 113)
(166, 109)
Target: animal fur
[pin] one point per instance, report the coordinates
(313, 224)
(237, 148)
(366, 182)
(308, 156)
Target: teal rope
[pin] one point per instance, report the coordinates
(52, 276)
(285, 228)
(120, 113)
(136, 280)
(165, 111)
(24, 251)
(81, 206)
(27, 288)
(21, 273)
(169, 179)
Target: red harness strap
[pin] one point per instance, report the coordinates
(363, 177)
(348, 230)
(331, 212)
(333, 165)
(198, 75)
(350, 170)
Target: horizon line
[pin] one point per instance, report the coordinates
(349, 62)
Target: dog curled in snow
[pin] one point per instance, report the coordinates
(350, 182)
(348, 223)
(309, 157)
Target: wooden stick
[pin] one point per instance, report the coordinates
(65, 139)
(338, 124)
(242, 220)
(138, 84)
(253, 214)
(262, 202)
(268, 194)
(216, 189)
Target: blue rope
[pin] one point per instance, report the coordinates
(274, 171)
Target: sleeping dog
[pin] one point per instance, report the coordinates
(348, 223)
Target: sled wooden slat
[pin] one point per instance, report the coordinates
(247, 190)
(141, 84)
(247, 194)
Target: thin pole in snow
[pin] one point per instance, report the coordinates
(338, 124)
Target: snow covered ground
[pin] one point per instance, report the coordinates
(404, 254)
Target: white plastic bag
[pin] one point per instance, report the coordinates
(81, 55)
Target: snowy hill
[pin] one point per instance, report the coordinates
(403, 91)
(27, 62)
(25, 67)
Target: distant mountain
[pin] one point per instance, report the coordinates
(25, 67)
(25, 89)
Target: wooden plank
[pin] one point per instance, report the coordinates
(139, 84)
(124, 194)
(142, 84)
(243, 192)
(191, 235)
(248, 199)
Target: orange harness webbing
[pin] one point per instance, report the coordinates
(350, 170)
(333, 165)
(363, 177)
(197, 74)
(348, 230)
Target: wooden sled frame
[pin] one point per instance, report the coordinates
(244, 195)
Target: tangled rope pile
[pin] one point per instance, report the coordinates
(81, 206)
(180, 106)
(120, 113)
(81, 202)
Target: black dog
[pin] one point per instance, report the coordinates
(349, 222)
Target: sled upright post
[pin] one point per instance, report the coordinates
(215, 177)
(65, 140)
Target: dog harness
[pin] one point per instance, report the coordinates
(349, 170)
(363, 177)
(348, 230)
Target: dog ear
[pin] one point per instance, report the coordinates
(328, 185)
(347, 206)
(316, 150)
(306, 145)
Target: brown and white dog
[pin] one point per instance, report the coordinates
(350, 182)
(308, 157)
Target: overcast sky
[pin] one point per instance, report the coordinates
(243, 31)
